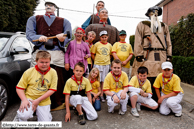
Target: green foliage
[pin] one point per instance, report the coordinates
(14, 14)
(132, 40)
(182, 36)
(183, 67)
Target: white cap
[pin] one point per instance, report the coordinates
(103, 32)
(167, 65)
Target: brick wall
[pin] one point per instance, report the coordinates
(173, 11)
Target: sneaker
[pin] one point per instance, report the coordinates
(138, 106)
(81, 119)
(111, 111)
(16, 118)
(134, 112)
(102, 99)
(121, 112)
(178, 114)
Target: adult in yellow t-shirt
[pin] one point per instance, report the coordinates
(172, 93)
(123, 51)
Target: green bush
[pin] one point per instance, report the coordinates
(182, 36)
(131, 40)
(184, 67)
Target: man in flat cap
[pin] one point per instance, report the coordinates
(152, 45)
(41, 27)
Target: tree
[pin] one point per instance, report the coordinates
(15, 13)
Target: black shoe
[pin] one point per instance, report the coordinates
(81, 119)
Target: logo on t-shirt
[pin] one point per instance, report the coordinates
(123, 47)
(104, 51)
(40, 86)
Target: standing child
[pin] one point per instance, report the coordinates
(77, 51)
(34, 89)
(75, 90)
(141, 92)
(91, 36)
(123, 51)
(95, 82)
(172, 93)
(116, 87)
(101, 54)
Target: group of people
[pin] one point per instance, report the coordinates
(86, 72)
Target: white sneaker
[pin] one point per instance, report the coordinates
(16, 118)
(111, 111)
(102, 99)
(134, 112)
(178, 114)
(138, 106)
(121, 112)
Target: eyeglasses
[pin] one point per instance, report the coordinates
(104, 12)
(49, 5)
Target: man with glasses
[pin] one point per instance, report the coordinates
(41, 27)
(93, 19)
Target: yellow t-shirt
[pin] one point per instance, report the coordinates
(31, 82)
(103, 52)
(89, 59)
(71, 86)
(95, 86)
(146, 86)
(123, 50)
(172, 86)
(110, 83)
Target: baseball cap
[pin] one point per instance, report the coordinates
(122, 32)
(104, 32)
(167, 65)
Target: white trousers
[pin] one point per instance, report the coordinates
(171, 103)
(42, 112)
(111, 104)
(86, 105)
(144, 100)
(104, 69)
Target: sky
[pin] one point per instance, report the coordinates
(127, 13)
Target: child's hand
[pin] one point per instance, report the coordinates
(67, 67)
(95, 96)
(93, 100)
(34, 104)
(24, 105)
(86, 57)
(116, 99)
(123, 95)
(124, 63)
(67, 117)
(141, 92)
(160, 100)
(145, 95)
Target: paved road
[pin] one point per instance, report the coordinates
(148, 119)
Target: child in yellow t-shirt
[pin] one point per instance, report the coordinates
(90, 38)
(172, 93)
(101, 54)
(123, 51)
(141, 92)
(34, 89)
(95, 82)
(116, 87)
(76, 89)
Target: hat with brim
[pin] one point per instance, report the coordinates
(104, 32)
(122, 32)
(49, 2)
(154, 8)
(167, 65)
